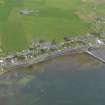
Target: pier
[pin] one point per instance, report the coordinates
(98, 53)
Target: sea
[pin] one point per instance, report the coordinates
(74, 79)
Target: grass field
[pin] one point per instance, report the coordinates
(56, 19)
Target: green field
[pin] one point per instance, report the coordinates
(56, 19)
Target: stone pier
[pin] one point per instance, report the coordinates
(98, 53)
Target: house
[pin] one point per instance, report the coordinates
(2, 63)
(35, 43)
(99, 42)
(26, 11)
(11, 59)
(45, 45)
(66, 38)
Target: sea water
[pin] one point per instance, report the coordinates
(76, 79)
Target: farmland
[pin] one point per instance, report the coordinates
(54, 20)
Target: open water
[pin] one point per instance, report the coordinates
(75, 79)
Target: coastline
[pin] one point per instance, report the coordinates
(44, 58)
(40, 59)
(43, 51)
(47, 57)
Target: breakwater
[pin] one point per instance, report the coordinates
(97, 53)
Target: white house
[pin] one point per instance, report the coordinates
(99, 42)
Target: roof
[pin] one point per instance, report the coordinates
(1, 61)
(45, 45)
(26, 11)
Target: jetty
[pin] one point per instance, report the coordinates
(97, 53)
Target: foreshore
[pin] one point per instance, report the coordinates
(43, 58)
(46, 57)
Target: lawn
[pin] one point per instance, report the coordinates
(56, 19)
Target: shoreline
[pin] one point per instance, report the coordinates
(40, 52)
(47, 57)
(42, 58)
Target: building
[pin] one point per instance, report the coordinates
(45, 45)
(26, 11)
(99, 42)
(11, 59)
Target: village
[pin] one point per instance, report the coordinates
(40, 50)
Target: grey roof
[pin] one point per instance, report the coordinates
(45, 45)
(26, 11)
